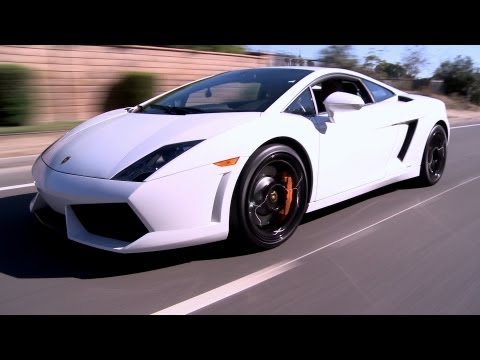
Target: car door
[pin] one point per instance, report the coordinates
(356, 144)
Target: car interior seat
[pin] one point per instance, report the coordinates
(328, 87)
(350, 88)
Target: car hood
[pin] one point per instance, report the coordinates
(105, 145)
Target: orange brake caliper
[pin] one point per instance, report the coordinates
(288, 183)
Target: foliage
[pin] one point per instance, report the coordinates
(474, 95)
(15, 94)
(419, 84)
(414, 60)
(133, 88)
(458, 75)
(370, 62)
(391, 71)
(338, 56)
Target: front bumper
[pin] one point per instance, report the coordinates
(184, 209)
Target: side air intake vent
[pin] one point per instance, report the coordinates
(404, 98)
(412, 125)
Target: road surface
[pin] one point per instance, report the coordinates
(398, 250)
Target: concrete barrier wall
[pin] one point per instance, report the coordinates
(72, 81)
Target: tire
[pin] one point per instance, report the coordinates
(270, 198)
(434, 157)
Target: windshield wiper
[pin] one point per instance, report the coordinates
(177, 110)
(135, 109)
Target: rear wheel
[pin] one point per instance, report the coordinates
(434, 157)
(270, 198)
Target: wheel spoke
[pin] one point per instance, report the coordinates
(274, 198)
(436, 155)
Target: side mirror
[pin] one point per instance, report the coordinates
(342, 101)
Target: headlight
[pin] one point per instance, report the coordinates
(147, 165)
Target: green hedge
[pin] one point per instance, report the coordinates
(133, 88)
(15, 94)
(418, 84)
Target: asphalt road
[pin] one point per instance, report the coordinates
(398, 250)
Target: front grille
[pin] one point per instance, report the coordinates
(52, 219)
(115, 221)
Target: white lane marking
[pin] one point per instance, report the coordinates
(387, 218)
(16, 186)
(236, 286)
(227, 290)
(463, 126)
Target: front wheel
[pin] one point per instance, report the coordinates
(434, 157)
(270, 197)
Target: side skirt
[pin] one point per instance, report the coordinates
(412, 172)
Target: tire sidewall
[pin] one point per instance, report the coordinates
(425, 175)
(239, 210)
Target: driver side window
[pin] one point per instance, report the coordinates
(303, 104)
(346, 84)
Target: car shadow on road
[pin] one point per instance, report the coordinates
(403, 185)
(27, 250)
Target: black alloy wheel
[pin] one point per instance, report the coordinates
(434, 157)
(270, 198)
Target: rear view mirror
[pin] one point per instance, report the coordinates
(342, 101)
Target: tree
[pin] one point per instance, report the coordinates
(458, 75)
(371, 61)
(132, 88)
(310, 63)
(338, 56)
(474, 94)
(236, 49)
(414, 60)
(16, 96)
(391, 71)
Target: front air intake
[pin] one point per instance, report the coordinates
(52, 219)
(114, 221)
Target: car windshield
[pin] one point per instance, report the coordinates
(234, 91)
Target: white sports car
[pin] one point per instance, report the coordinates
(244, 153)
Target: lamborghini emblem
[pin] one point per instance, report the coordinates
(65, 160)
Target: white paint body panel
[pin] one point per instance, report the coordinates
(187, 201)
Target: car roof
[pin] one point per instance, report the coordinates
(319, 70)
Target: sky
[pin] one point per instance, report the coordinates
(435, 54)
